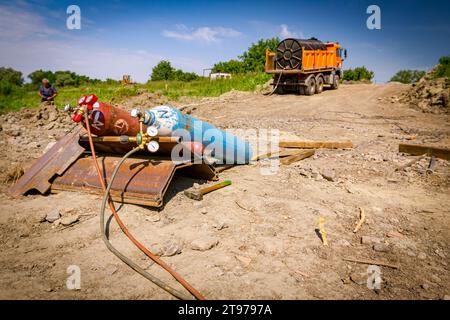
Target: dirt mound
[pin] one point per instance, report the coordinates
(143, 99)
(429, 95)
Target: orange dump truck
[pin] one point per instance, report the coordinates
(305, 66)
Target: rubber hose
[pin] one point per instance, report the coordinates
(122, 257)
(124, 229)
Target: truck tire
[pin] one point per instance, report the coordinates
(301, 90)
(279, 89)
(335, 83)
(319, 84)
(310, 88)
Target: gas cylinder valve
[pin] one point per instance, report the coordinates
(136, 113)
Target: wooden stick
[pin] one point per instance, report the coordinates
(322, 231)
(316, 144)
(377, 263)
(297, 156)
(410, 163)
(419, 149)
(280, 154)
(362, 218)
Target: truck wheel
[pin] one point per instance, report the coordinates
(279, 90)
(301, 90)
(310, 88)
(335, 84)
(319, 85)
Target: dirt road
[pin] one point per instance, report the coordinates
(262, 229)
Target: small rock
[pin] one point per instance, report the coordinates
(446, 297)
(410, 253)
(425, 286)
(440, 253)
(53, 215)
(370, 240)
(435, 278)
(421, 256)
(67, 221)
(203, 244)
(329, 175)
(359, 278)
(395, 234)
(220, 224)
(42, 217)
(171, 248)
(343, 243)
(381, 247)
(156, 249)
(56, 223)
(244, 260)
(153, 218)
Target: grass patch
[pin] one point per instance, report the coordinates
(20, 97)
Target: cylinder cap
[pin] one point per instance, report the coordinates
(76, 117)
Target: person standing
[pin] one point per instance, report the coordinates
(47, 92)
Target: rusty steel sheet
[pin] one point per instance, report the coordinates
(55, 161)
(142, 180)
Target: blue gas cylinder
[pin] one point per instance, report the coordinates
(223, 145)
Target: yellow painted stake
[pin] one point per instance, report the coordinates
(323, 234)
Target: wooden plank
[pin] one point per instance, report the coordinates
(280, 154)
(419, 149)
(316, 144)
(373, 262)
(297, 156)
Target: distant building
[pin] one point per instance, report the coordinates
(219, 75)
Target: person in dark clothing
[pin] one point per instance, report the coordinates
(47, 92)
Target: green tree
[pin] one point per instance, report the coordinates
(443, 69)
(408, 76)
(11, 76)
(232, 66)
(162, 71)
(358, 74)
(37, 76)
(254, 58)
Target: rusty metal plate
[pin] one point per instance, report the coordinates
(141, 181)
(55, 161)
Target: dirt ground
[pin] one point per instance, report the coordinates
(262, 229)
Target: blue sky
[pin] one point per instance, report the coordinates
(130, 37)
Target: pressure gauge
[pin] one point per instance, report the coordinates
(91, 99)
(82, 100)
(152, 131)
(153, 146)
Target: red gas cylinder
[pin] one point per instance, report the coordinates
(107, 120)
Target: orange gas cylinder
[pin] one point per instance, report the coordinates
(107, 120)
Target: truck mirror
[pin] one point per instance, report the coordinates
(345, 53)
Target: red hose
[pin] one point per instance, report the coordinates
(122, 226)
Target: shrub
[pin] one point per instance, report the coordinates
(443, 69)
(164, 71)
(232, 66)
(358, 74)
(408, 76)
(11, 76)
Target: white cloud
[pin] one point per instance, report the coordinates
(28, 44)
(19, 24)
(286, 33)
(202, 34)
